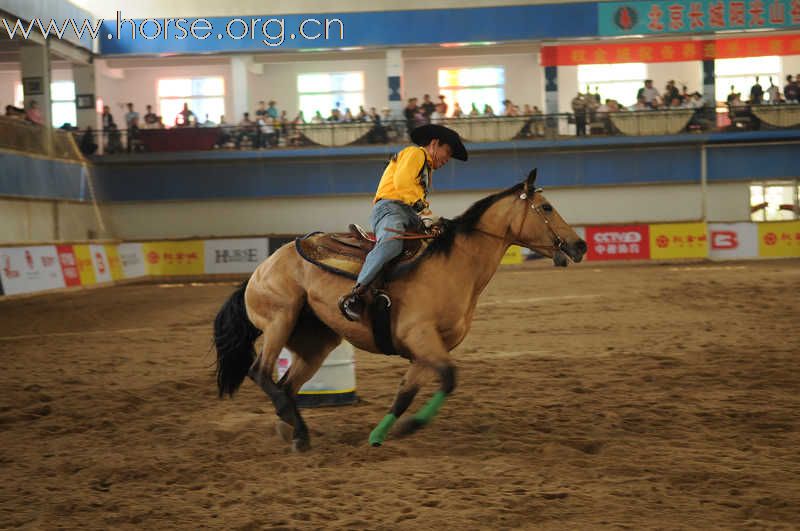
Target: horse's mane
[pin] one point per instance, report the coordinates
(466, 223)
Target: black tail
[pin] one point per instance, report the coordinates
(234, 335)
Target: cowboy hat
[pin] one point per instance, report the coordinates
(423, 135)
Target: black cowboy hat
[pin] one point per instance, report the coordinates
(423, 135)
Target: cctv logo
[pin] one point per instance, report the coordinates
(724, 240)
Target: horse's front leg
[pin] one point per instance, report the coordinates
(409, 387)
(428, 352)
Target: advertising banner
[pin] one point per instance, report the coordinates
(240, 255)
(30, 269)
(114, 262)
(131, 256)
(102, 270)
(176, 258)
(513, 256)
(69, 265)
(659, 17)
(678, 240)
(83, 256)
(732, 240)
(779, 239)
(621, 242)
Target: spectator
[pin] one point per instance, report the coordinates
(33, 114)
(756, 94)
(487, 110)
(377, 134)
(336, 116)
(272, 111)
(538, 121)
(261, 111)
(791, 92)
(300, 118)
(508, 108)
(649, 93)
(106, 119)
(428, 106)
(670, 93)
(208, 122)
(773, 92)
(15, 112)
(348, 116)
(438, 114)
(640, 104)
(132, 125)
(247, 131)
(474, 111)
(185, 118)
(362, 115)
(675, 103)
(225, 132)
(160, 122)
(457, 112)
(87, 145)
(443, 104)
(579, 109)
(317, 118)
(410, 112)
(150, 118)
(731, 96)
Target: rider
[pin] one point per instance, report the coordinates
(400, 198)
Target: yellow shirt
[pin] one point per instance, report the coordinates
(406, 177)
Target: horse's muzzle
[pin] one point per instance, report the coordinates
(575, 250)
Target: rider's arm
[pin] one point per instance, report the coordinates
(409, 164)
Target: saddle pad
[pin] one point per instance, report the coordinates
(343, 253)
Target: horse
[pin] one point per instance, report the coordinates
(293, 304)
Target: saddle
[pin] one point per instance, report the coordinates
(343, 253)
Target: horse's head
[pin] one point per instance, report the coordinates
(538, 226)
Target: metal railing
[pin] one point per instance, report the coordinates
(473, 129)
(25, 137)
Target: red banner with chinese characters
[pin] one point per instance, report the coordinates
(630, 242)
(69, 265)
(669, 51)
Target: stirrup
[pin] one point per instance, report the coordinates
(354, 298)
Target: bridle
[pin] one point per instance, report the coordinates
(529, 201)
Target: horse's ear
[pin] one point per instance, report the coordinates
(530, 182)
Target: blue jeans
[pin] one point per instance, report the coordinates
(386, 215)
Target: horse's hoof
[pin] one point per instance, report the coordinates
(407, 426)
(285, 430)
(301, 445)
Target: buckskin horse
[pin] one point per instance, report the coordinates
(293, 303)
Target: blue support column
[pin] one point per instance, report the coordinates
(551, 100)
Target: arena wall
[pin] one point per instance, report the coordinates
(27, 220)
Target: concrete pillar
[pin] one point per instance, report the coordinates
(551, 100)
(709, 83)
(83, 76)
(394, 79)
(35, 60)
(240, 91)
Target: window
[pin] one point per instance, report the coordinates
(774, 201)
(204, 96)
(19, 96)
(741, 73)
(620, 82)
(324, 92)
(472, 86)
(62, 96)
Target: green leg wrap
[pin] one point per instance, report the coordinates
(431, 408)
(377, 436)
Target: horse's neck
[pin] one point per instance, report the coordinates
(482, 251)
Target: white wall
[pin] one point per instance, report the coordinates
(791, 66)
(611, 204)
(35, 221)
(136, 81)
(524, 76)
(279, 82)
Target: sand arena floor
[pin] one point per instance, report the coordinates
(647, 396)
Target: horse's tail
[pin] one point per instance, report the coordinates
(234, 336)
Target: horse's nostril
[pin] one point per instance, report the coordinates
(581, 247)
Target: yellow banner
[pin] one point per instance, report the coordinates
(174, 258)
(513, 255)
(678, 240)
(83, 257)
(779, 239)
(114, 263)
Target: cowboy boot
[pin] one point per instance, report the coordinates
(352, 305)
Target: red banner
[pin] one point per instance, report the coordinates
(631, 242)
(69, 265)
(669, 51)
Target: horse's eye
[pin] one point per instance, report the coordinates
(547, 207)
